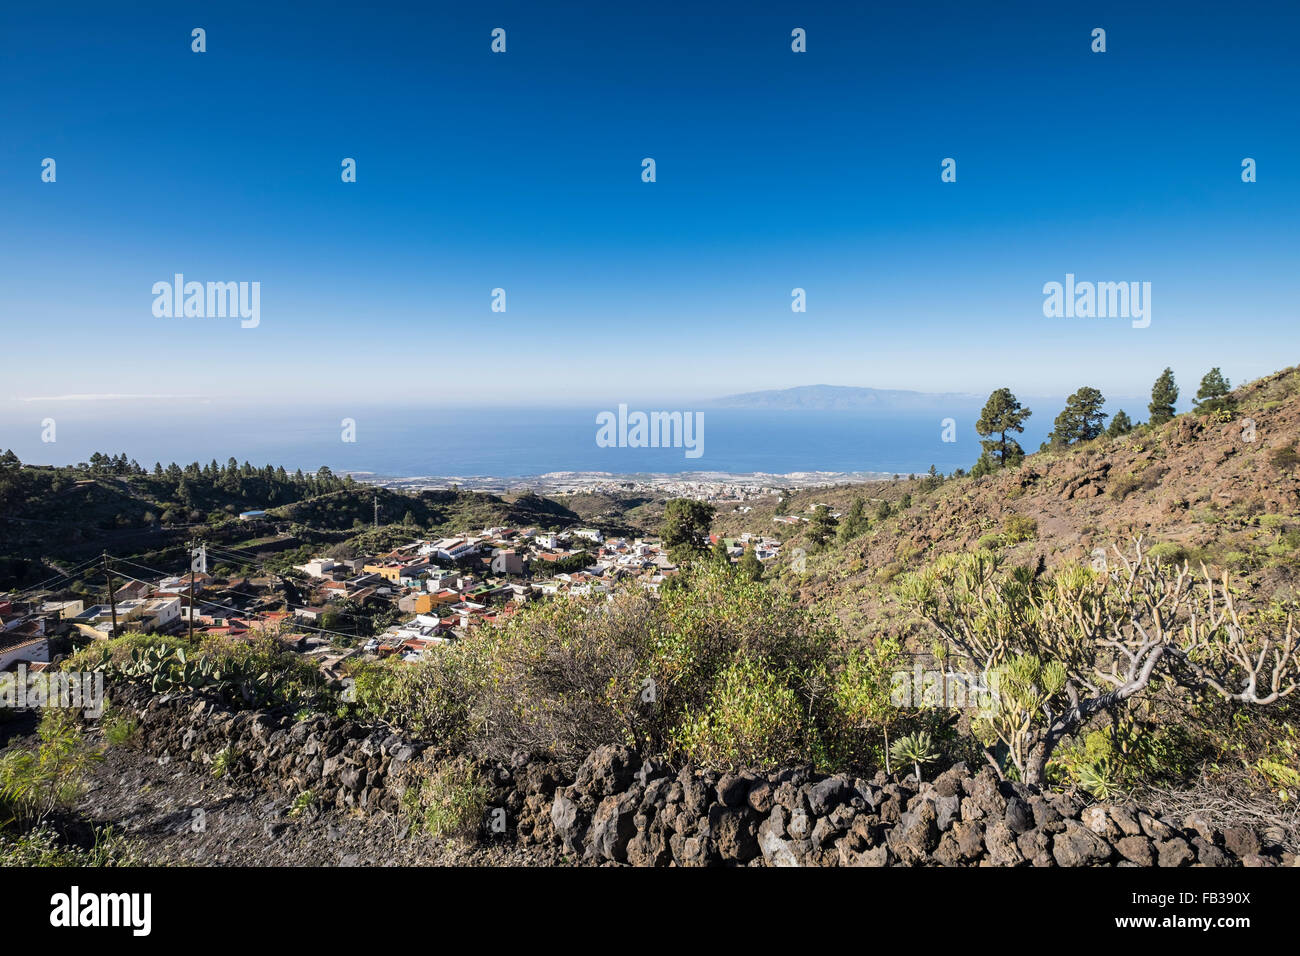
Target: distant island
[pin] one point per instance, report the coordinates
(831, 397)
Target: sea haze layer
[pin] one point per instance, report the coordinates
(503, 442)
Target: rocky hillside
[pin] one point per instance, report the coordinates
(1224, 490)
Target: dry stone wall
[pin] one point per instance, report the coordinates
(621, 809)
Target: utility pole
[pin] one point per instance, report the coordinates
(203, 557)
(112, 600)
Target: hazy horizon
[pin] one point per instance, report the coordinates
(508, 441)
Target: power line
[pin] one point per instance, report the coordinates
(287, 603)
(234, 550)
(226, 607)
(44, 585)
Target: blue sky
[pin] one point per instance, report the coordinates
(775, 170)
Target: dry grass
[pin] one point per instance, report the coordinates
(1231, 802)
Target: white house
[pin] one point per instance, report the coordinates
(452, 549)
(316, 567)
(161, 612)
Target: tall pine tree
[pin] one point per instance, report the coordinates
(855, 522)
(821, 526)
(1081, 419)
(1164, 393)
(1120, 424)
(1002, 414)
(1213, 393)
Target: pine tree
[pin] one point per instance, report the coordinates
(750, 566)
(1212, 396)
(1164, 394)
(1002, 413)
(822, 525)
(855, 522)
(984, 466)
(686, 527)
(1119, 425)
(1081, 420)
(720, 551)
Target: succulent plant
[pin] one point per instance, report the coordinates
(916, 749)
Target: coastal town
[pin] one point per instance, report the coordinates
(431, 590)
(720, 488)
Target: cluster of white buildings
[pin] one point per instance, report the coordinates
(440, 590)
(445, 588)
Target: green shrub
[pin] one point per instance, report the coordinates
(1280, 767)
(302, 803)
(222, 762)
(41, 846)
(35, 783)
(661, 673)
(1019, 528)
(1126, 755)
(433, 699)
(1238, 560)
(452, 801)
(1208, 515)
(1123, 486)
(1169, 552)
(1275, 523)
(753, 719)
(860, 705)
(905, 553)
(890, 571)
(248, 673)
(121, 729)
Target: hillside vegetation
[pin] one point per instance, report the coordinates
(65, 515)
(1223, 488)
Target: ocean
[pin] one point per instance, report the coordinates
(503, 442)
